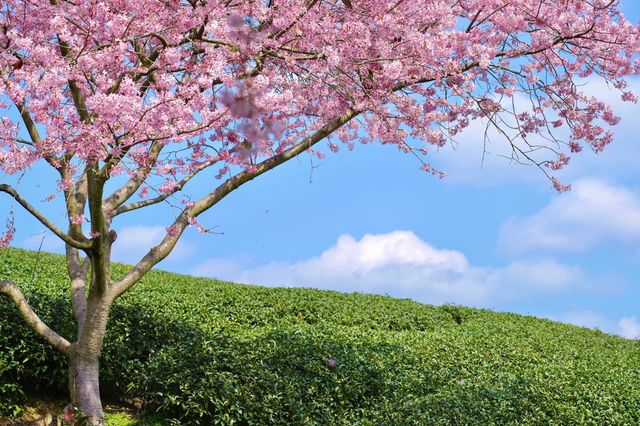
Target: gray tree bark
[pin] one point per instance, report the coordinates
(91, 306)
(84, 388)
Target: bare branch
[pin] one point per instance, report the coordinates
(162, 250)
(121, 195)
(162, 197)
(84, 245)
(29, 123)
(76, 94)
(31, 318)
(74, 199)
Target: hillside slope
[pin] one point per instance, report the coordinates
(207, 351)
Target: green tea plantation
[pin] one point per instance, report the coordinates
(199, 351)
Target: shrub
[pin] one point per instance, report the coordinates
(208, 352)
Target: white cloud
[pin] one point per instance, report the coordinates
(592, 213)
(402, 265)
(378, 251)
(629, 327)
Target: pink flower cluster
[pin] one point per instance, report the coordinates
(240, 82)
(7, 236)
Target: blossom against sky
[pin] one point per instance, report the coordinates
(491, 234)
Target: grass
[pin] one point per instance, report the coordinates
(202, 351)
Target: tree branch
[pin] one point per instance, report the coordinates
(73, 208)
(76, 94)
(78, 273)
(35, 137)
(29, 123)
(120, 196)
(100, 262)
(75, 198)
(84, 245)
(162, 197)
(162, 250)
(31, 318)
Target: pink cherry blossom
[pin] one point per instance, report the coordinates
(7, 236)
(76, 219)
(407, 78)
(559, 186)
(173, 231)
(130, 101)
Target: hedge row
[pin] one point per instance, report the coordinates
(206, 352)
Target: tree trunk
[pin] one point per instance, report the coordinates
(84, 387)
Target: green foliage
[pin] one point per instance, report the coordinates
(119, 419)
(207, 352)
(122, 419)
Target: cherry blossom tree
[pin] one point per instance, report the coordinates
(128, 101)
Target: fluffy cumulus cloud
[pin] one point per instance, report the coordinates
(400, 264)
(594, 212)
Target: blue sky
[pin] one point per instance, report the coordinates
(492, 234)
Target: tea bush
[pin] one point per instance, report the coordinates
(207, 352)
